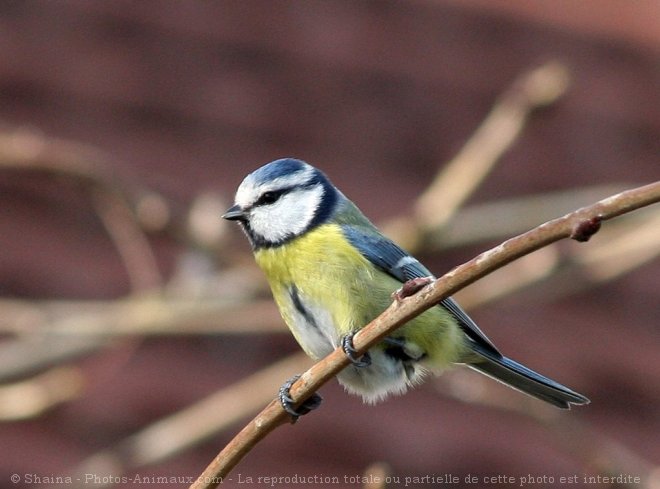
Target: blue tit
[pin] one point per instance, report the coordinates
(331, 272)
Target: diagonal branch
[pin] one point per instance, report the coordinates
(29, 150)
(579, 225)
(496, 134)
(459, 178)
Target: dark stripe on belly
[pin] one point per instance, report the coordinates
(297, 303)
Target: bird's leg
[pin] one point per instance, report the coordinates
(411, 287)
(351, 352)
(287, 402)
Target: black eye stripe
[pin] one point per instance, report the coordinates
(271, 196)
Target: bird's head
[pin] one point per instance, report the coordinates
(281, 201)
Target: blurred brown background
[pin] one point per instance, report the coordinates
(100, 101)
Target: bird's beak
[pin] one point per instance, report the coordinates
(234, 213)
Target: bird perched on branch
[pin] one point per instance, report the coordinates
(331, 272)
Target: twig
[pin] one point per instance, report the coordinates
(622, 247)
(20, 358)
(498, 219)
(30, 398)
(30, 150)
(496, 134)
(576, 225)
(130, 241)
(50, 320)
(53, 332)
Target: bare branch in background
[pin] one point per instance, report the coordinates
(459, 178)
(30, 151)
(31, 398)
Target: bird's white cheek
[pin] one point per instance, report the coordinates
(289, 216)
(268, 225)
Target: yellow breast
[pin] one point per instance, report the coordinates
(329, 271)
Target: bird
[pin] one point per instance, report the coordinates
(331, 271)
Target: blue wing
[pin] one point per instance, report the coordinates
(397, 263)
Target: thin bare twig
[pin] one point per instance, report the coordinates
(33, 397)
(460, 177)
(494, 136)
(497, 219)
(29, 150)
(56, 331)
(625, 245)
(578, 225)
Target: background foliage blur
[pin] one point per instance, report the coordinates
(125, 127)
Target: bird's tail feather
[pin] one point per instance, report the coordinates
(523, 379)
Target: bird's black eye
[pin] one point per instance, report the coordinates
(268, 197)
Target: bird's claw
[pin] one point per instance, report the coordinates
(287, 402)
(351, 353)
